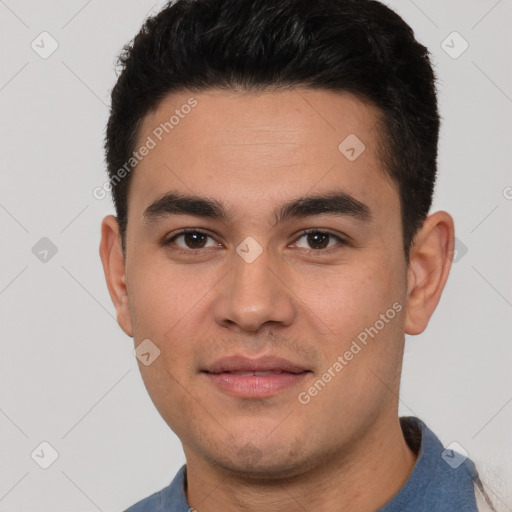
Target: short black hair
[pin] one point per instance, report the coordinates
(356, 46)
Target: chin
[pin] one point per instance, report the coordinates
(262, 462)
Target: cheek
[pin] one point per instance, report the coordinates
(350, 298)
(363, 307)
(361, 360)
(161, 306)
(167, 304)
(368, 322)
(162, 296)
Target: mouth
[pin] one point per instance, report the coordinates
(256, 373)
(254, 378)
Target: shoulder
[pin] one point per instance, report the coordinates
(152, 503)
(170, 499)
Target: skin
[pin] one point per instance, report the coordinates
(344, 450)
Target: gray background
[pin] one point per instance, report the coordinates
(68, 374)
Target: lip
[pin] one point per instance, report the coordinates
(270, 375)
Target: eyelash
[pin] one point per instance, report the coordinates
(341, 241)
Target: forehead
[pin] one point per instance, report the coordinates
(249, 150)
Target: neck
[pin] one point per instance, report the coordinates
(378, 466)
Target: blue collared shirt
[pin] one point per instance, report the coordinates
(441, 481)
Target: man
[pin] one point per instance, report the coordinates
(272, 164)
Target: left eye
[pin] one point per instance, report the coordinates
(319, 240)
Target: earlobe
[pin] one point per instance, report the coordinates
(429, 266)
(113, 263)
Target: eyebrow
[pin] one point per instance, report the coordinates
(337, 203)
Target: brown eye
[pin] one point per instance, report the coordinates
(191, 239)
(194, 240)
(317, 240)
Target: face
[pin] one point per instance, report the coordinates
(279, 315)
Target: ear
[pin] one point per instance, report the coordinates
(114, 267)
(430, 261)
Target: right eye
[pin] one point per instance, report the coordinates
(191, 240)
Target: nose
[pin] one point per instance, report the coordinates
(253, 295)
